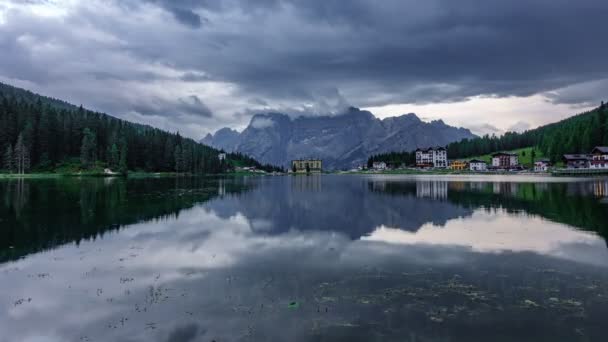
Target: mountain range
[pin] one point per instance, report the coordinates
(342, 141)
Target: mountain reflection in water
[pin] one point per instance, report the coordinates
(365, 258)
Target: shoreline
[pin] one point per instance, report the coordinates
(51, 175)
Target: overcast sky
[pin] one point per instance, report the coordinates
(196, 66)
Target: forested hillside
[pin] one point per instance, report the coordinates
(577, 134)
(38, 133)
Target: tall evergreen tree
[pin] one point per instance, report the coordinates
(21, 155)
(179, 159)
(114, 156)
(88, 148)
(8, 160)
(122, 165)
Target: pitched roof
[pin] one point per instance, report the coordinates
(438, 148)
(503, 154)
(576, 156)
(601, 149)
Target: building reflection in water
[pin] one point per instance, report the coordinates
(432, 189)
(311, 182)
(600, 189)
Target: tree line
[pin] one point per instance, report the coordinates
(577, 134)
(38, 133)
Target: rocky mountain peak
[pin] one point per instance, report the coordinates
(342, 141)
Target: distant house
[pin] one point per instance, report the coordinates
(221, 156)
(542, 165)
(477, 165)
(379, 165)
(599, 158)
(503, 160)
(458, 165)
(306, 165)
(432, 157)
(576, 161)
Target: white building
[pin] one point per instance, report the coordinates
(477, 165)
(542, 165)
(432, 157)
(379, 165)
(221, 156)
(599, 158)
(504, 160)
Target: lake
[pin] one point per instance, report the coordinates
(304, 258)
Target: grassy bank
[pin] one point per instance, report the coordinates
(524, 155)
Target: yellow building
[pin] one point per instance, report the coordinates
(458, 165)
(306, 165)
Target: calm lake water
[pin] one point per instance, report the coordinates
(305, 258)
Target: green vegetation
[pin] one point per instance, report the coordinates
(577, 134)
(40, 134)
(527, 156)
(394, 159)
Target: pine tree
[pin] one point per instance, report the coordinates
(8, 159)
(122, 165)
(533, 155)
(88, 148)
(114, 156)
(43, 140)
(21, 155)
(179, 160)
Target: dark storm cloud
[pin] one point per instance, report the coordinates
(186, 333)
(286, 53)
(187, 17)
(400, 51)
(189, 105)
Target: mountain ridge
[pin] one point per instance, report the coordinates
(342, 141)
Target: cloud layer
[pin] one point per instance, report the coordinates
(198, 65)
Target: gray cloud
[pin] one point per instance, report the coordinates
(483, 129)
(519, 126)
(186, 333)
(189, 105)
(239, 56)
(581, 93)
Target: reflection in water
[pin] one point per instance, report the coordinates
(39, 214)
(362, 258)
(600, 189)
(432, 189)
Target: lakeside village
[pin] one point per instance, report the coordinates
(435, 158)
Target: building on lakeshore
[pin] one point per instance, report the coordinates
(576, 161)
(504, 160)
(599, 158)
(379, 165)
(542, 165)
(221, 156)
(436, 157)
(458, 165)
(478, 165)
(306, 165)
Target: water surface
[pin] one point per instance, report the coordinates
(304, 258)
